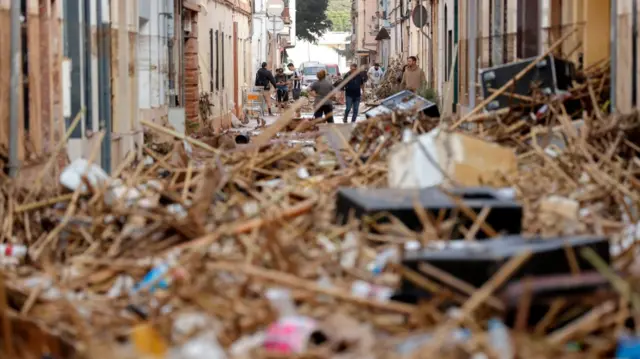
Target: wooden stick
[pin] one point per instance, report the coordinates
(428, 351)
(180, 136)
(280, 123)
(457, 283)
(513, 81)
(291, 281)
(587, 323)
(250, 225)
(44, 203)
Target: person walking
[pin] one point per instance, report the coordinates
(296, 80)
(376, 74)
(413, 78)
(264, 79)
(282, 94)
(320, 90)
(353, 93)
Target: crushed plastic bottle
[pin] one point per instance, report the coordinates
(13, 251)
(204, 346)
(281, 301)
(500, 339)
(382, 259)
(363, 289)
(160, 277)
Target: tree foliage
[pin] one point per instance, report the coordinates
(340, 20)
(311, 19)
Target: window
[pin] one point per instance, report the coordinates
(310, 71)
(528, 28)
(73, 45)
(211, 60)
(217, 63)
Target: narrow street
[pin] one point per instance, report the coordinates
(487, 207)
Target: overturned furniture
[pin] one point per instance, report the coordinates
(474, 263)
(404, 101)
(550, 76)
(504, 216)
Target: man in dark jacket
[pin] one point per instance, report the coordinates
(353, 93)
(264, 79)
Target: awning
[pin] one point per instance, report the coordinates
(364, 51)
(383, 34)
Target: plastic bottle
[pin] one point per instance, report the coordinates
(13, 251)
(160, 277)
(500, 339)
(281, 301)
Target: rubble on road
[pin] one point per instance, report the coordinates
(390, 84)
(210, 248)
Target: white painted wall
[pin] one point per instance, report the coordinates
(259, 39)
(153, 70)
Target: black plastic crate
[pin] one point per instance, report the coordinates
(479, 261)
(505, 216)
(550, 75)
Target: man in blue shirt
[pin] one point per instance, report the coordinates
(352, 93)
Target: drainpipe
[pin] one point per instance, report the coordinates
(104, 82)
(171, 33)
(14, 89)
(614, 53)
(634, 57)
(472, 31)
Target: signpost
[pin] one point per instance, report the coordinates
(274, 12)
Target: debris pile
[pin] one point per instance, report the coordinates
(292, 244)
(390, 84)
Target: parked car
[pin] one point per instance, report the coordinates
(309, 71)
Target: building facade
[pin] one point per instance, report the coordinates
(365, 27)
(264, 48)
(78, 61)
(222, 61)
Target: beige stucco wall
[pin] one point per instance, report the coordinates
(217, 16)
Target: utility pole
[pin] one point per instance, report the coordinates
(614, 53)
(473, 28)
(634, 51)
(14, 89)
(275, 44)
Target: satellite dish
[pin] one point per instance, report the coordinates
(420, 16)
(275, 22)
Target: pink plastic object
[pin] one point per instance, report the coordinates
(289, 335)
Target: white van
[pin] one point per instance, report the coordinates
(308, 70)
